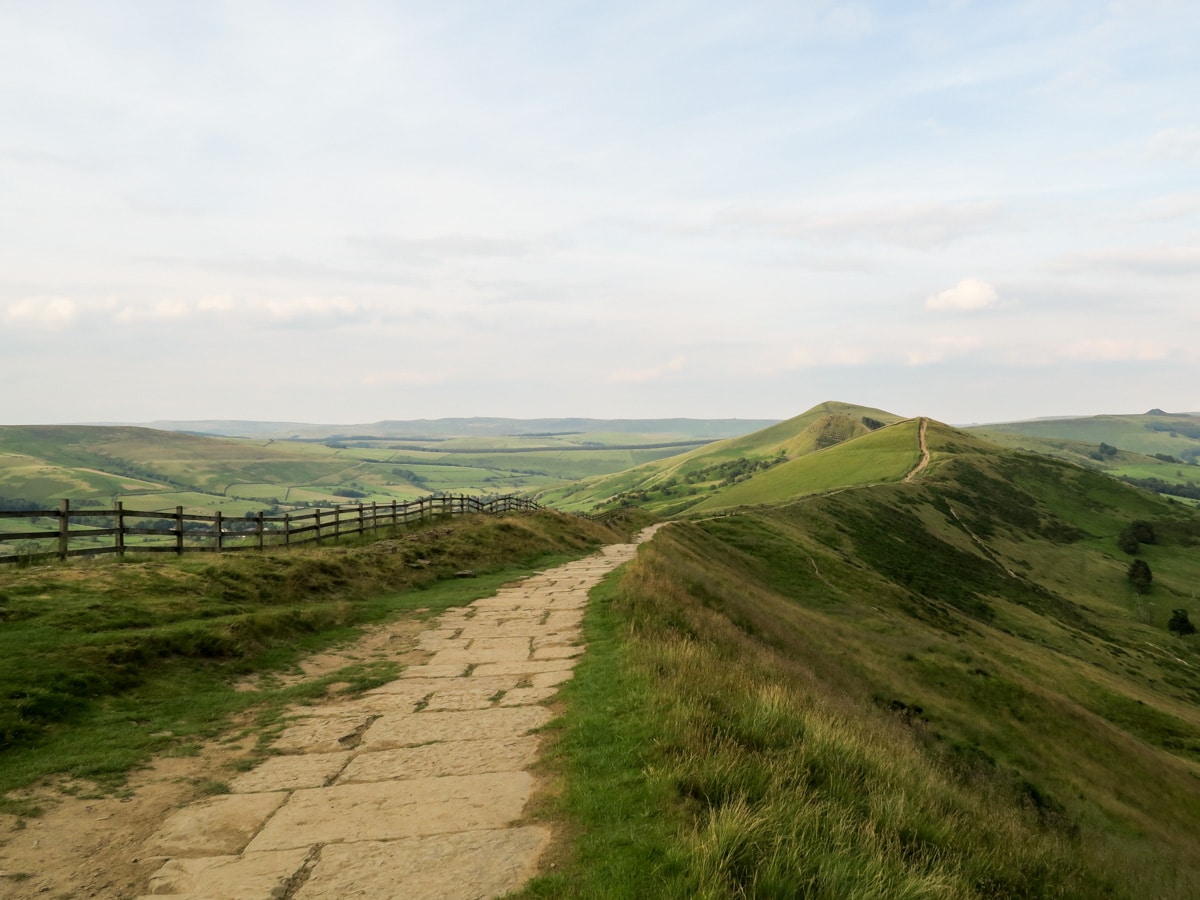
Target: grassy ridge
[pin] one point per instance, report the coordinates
(937, 689)
(884, 455)
(682, 482)
(105, 663)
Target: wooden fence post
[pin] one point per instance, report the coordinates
(361, 519)
(119, 523)
(217, 529)
(64, 528)
(179, 531)
(287, 529)
(337, 521)
(317, 521)
(258, 528)
(374, 517)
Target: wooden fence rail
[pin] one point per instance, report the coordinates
(180, 532)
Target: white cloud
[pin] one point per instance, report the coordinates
(42, 312)
(968, 295)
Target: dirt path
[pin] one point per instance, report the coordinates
(411, 790)
(924, 461)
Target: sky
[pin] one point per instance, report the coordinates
(377, 209)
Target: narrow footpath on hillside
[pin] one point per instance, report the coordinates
(411, 790)
(924, 461)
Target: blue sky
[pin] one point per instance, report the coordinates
(366, 210)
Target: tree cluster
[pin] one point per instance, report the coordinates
(1135, 534)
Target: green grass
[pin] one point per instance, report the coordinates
(936, 689)
(103, 664)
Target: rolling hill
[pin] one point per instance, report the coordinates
(673, 485)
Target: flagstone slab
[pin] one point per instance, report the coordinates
(502, 754)
(388, 810)
(391, 732)
(467, 866)
(252, 875)
(288, 773)
(219, 826)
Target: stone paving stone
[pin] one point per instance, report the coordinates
(226, 877)
(502, 754)
(219, 826)
(322, 735)
(528, 696)
(427, 727)
(561, 651)
(287, 773)
(440, 671)
(526, 667)
(388, 810)
(464, 866)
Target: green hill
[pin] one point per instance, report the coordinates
(943, 688)
(678, 483)
(1158, 451)
(1176, 435)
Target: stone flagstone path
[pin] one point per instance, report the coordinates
(408, 791)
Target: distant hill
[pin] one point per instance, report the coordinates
(678, 483)
(667, 429)
(1155, 450)
(1176, 435)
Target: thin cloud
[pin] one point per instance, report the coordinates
(969, 295)
(447, 247)
(1156, 261)
(42, 312)
(655, 373)
(919, 226)
(1175, 143)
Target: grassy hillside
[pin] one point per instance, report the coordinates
(944, 688)
(887, 454)
(1176, 435)
(673, 485)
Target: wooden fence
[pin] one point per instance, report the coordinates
(180, 532)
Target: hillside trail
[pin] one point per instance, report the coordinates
(413, 790)
(924, 461)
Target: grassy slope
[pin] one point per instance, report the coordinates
(937, 689)
(884, 455)
(663, 486)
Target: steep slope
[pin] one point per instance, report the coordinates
(942, 688)
(672, 485)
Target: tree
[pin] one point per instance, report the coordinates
(1139, 573)
(1179, 622)
(1128, 541)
